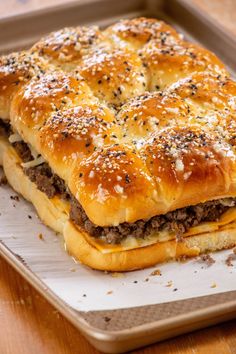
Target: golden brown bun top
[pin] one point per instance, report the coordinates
(126, 149)
(15, 70)
(69, 44)
(139, 31)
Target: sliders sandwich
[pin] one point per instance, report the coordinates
(124, 141)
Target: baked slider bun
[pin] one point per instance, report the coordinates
(124, 141)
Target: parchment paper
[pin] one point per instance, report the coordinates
(85, 289)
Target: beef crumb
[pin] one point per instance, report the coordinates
(206, 258)
(15, 197)
(3, 180)
(40, 236)
(229, 260)
(156, 272)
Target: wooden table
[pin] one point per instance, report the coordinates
(29, 324)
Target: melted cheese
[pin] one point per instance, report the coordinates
(61, 204)
(37, 161)
(13, 138)
(227, 221)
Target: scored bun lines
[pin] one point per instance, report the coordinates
(114, 186)
(51, 92)
(73, 134)
(114, 76)
(180, 156)
(147, 113)
(67, 46)
(135, 33)
(71, 118)
(166, 63)
(204, 99)
(210, 89)
(214, 99)
(110, 76)
(127, 58)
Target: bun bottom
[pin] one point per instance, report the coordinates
(54, 213)
(148, 256)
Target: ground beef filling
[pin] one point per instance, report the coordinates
(178, 221)
(5, 128)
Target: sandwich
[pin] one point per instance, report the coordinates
(124, 142)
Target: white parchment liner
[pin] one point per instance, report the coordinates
(85, 289)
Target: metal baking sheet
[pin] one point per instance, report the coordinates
(44, 263)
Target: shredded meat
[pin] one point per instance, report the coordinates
(178, 221)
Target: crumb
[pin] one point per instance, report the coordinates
(175, 289)
(213, 285)
(109, 292)
(15, 197)
(117, 275)
(147, 279)
(229, 260)
(40, 236)
(55, 313)
(3, 180)
(169, 284)
(156, 272)
(84, 295)
(179, 237)
(135, 281)
(207, 259)
(29, 216)
(107, 319)
(72, 270)
(22, 301)
(183, 259)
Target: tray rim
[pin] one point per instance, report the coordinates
(93, 333)
(45, 10)
(215, 24)
(109, 335)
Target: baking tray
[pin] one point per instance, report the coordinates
(115, 331)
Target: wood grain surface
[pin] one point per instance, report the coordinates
(29, 324)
